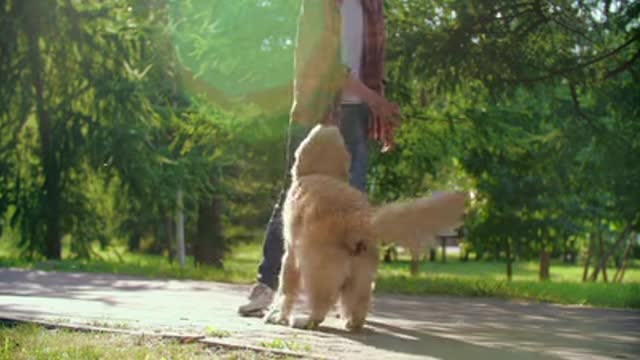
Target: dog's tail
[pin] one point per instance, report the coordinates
(414, 222)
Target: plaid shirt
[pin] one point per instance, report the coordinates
(319, 72)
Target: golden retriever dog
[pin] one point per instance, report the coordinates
(332, 233)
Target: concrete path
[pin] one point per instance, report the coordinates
(401, 327)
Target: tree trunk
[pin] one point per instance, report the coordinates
(181, 250)
(390, 254)
(509, 265)
(52, 196)
(623, 270)
(565, 250)
(432, 254)
(587, 261)
(602, 255)
(544, 265)
(415, 263)
(171, 241)
(387, 256)
(133, 242)
(443, 242)
(209, 247)
(627, 254)
(464, 255)
(602, 265)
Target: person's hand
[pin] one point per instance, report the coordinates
(388, 140)
(389, 114)
(387, 111)
(379, 105)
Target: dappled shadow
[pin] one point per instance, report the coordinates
(148, 303)
(416, 326)
(83, 286)
(405, 341)
(458, 328)
(525, 329)
(14, 313)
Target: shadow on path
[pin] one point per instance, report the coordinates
(84, 286)
(552, 330)
(399, 326)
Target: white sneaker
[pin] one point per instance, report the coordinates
(260, 299)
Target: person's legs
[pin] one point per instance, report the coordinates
(273, 247)
(354, 127)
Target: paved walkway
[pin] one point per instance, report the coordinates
(401, 327)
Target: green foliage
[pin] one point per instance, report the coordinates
(115, 135)
(73, 78)
(111, 107)
(502, 43)
(535, 102)
(237, 48)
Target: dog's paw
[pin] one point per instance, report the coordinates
(304, 323)
(274, 316)
(354, 325)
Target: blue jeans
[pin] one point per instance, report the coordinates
(354, 128)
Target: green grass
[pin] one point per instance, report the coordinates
(489, 279)
(522, 271)
(595, 294)
(289, 345)
(214, 332)
(240, 265)
(451, 278)
(34, 342)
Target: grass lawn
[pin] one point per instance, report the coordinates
(452, 278)
(34, 342)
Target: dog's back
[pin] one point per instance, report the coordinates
(325, 211)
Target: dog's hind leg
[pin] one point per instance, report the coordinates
(290, 280)
(287, 291)
(355, 297)
(322, 277)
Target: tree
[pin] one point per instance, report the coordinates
(99, 105)
(522, 87)
(85, 100)
(51, 105)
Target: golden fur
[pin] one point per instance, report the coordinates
(332, 233)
